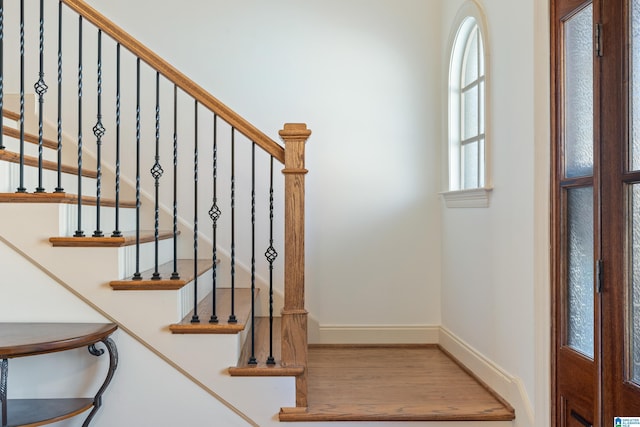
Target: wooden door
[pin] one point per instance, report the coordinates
(596, 211)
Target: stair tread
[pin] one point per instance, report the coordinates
(29, 137)
(128, 239)
(261, 353)
(12, 157)
(60, 198)
(223, 310)
(11, 115)
(184, 270)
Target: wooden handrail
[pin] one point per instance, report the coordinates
(178, 78)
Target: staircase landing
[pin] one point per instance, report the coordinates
(397, 383)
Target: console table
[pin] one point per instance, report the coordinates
(28, 339)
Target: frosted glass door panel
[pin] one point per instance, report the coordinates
(634, 300)
(634, 102)
(578, 57)
(580, 270)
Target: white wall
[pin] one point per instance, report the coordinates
(494, 258)
(365, 77)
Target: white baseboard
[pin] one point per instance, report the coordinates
(376, 334)
(510, 388)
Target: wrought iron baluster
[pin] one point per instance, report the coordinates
(99, 131)
(252, 358)
(175, 275)
(156, 173)
(117, 232)
(232, 316)
(214, 214)
(271, 256)
(41, 88)
(21, 188)
(1, 73)
(59, 188)
(195, 318)
(137, 275)
(79, 232)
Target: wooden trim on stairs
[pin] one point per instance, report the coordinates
(183, 82)
(12, 157)
(66, 198)
(185, 271)
(129, 239)
(11, 115)
(29, 137)
(223, 304)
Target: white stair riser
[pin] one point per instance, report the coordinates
(127, 257)
(186, 294)
(10, 180)
(69, 219)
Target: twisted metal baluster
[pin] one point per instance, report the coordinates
(137, 275)
(175, 275)
(156, 173)
(117, 232)
(195, 318)
(79, 232)
(99, 131)
(214, 214)
(21, 188)
(252, 358)
(4, 373)
(41, 88)
(232, 316)
(271, 256)
(59, 188)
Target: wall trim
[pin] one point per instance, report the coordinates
(377, 334)
(510, 388)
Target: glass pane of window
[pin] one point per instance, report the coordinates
(481, 107)
(634, 300)
(635, 85)
(481, 164)
(470, 165)
(481, 55)
(471, 58)
(470, 112)
(580, 273)
(579, 94)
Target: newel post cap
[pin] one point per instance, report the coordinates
(295, 131)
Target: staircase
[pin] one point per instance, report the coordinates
(101, 184)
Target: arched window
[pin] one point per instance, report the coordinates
(467, 138)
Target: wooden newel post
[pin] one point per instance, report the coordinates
(294, 314)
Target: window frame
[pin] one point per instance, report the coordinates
(469, 18)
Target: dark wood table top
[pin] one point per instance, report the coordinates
(26, 339)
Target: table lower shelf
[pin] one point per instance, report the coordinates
(35, 412)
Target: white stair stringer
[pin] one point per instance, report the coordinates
(145, 314)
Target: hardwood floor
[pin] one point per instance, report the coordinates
(399, 383)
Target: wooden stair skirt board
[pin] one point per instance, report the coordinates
(185, 272)
(393, 383)
(61, 198)
(242, 311)
(9, 156)
(128, 239)
(243, 369)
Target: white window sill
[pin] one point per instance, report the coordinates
(472, 198)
